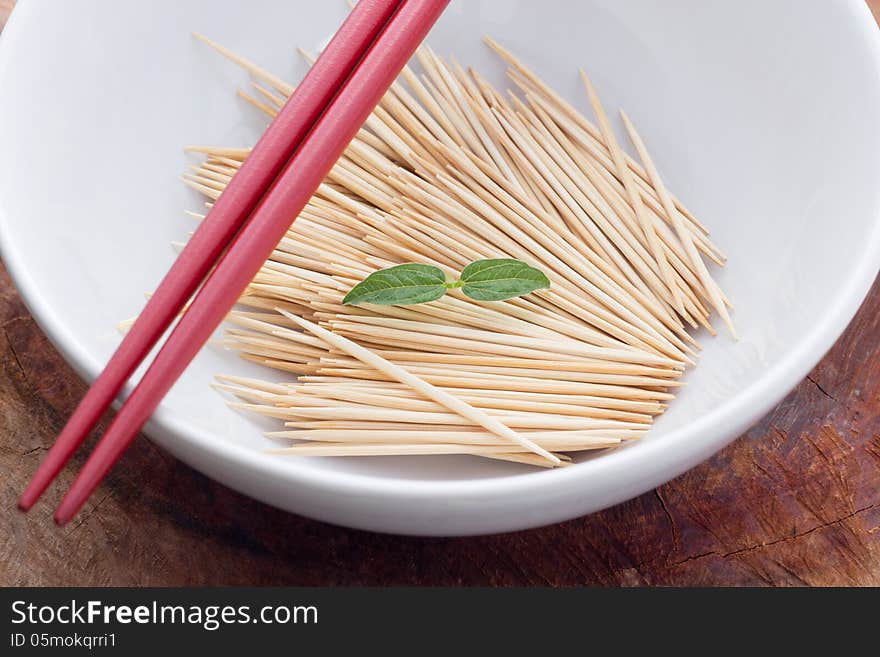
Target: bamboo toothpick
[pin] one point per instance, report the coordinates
(447, 170)
(635, 199)
(709, 284)
(251, 68)
(438, 395)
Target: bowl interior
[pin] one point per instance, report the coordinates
(746, 108)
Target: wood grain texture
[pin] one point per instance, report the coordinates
(795, 501)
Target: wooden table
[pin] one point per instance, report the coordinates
(794, 501)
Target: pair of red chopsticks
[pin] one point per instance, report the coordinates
(247, 222)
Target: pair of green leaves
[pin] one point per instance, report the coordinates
(482, 280)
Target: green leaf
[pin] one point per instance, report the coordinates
(399, 286)
(501, 278)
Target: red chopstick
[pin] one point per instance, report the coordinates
(261, 233)
(271, 153)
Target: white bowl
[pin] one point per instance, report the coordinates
(762, 115)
